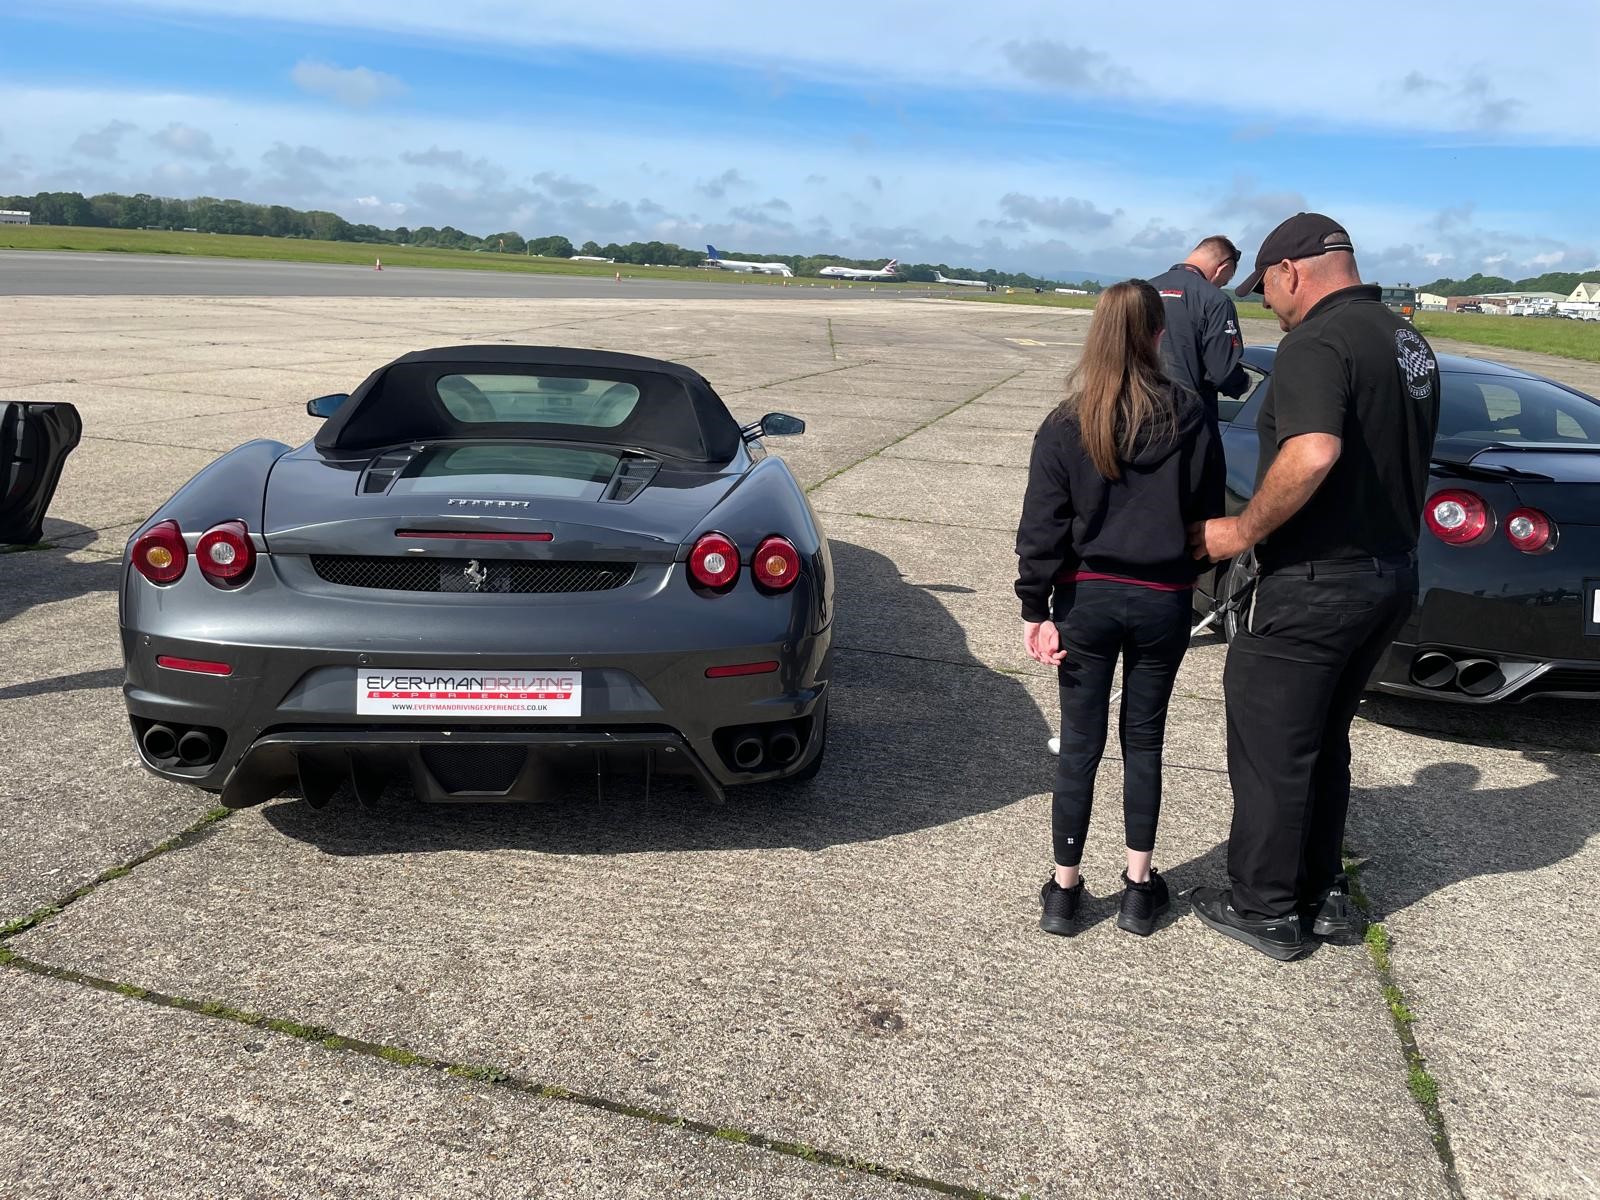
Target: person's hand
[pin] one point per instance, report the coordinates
(1217, 540)
(1042, 641)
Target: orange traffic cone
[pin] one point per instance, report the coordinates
(377, 264)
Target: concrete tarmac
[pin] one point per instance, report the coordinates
(48, 273)
(833, 990)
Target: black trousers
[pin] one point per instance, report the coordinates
(1148, 630)
(1312, 636)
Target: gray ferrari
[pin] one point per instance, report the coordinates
(492, 565)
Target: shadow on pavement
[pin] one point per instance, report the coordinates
(911, 746)
(1438, 830)
(45, 576)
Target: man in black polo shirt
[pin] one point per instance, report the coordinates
(1202, 345)
(1347, 431)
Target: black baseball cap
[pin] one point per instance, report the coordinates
(1304, 235)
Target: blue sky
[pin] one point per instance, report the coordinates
(1051, 136)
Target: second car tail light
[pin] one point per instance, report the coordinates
(159, 554)
(714, 562)
(1530, 531)
(1458, 517)
(776, 565)
(225, 553)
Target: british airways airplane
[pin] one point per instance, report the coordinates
(733, 264)
(887, 271)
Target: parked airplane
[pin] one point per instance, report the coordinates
(733, 264)
(887, 271)
(983, 283)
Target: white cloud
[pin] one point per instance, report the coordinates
(582, 179)
(358, 87)
(1346, 70)
(187, 142)
(104, 142)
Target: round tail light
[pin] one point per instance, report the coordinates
(159, 554)
(1530, 531)
(776, 565)
(1457, 517)
(714, 562)
(225, 554)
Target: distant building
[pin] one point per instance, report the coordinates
(1587, 292)
(1428, 302)
(9, 216)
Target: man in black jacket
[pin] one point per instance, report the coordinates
(1202, 346)
(1347, 431)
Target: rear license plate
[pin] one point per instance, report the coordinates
(1591, 607)
(429, 692)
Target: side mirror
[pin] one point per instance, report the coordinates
(325, 406)
(780, 425)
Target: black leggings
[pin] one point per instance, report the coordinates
(1148, 630)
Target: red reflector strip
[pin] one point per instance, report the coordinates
(462, 535)
(760, 668)
(198, 666)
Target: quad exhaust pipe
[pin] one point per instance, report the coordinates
(783, 746)
(1436, 671)
(195, 748)
(749, 752)
(160, 742)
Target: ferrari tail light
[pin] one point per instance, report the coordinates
(776, 565)
(1458, 517)
(714, 562)
(225, 553)
(159, 554)
(1530, 530)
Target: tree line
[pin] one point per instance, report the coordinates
(1480, 284)
(205, 214)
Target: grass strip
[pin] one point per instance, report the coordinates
(1566, 339)
(977, 395)
(398, 1056)
(1424, 1088)
(200, 830)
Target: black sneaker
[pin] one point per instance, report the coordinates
(1142, 903)
(1277, 937)
(1058, 906)
(1335, 915)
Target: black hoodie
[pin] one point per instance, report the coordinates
(1135, 527)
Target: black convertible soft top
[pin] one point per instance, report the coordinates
(678, 413)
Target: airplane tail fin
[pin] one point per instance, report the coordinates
(711, 251)
(890, 267)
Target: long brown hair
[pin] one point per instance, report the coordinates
(1119, 392)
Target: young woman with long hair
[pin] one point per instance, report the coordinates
(1120, 470)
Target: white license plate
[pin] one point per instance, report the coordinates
(1591, 624)
(429, 692)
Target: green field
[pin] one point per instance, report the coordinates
(1568, 339)
(226, 245)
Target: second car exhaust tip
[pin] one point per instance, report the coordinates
(1479, 676)
(1432, 669)
(748, 753)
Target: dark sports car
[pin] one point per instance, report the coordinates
(1509, 557)
(492, 563)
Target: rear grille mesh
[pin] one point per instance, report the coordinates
(475, 768)
(499, 575)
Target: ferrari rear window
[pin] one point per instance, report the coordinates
(537, 400)
(509, 468)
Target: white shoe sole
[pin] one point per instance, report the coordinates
(1054, 745)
